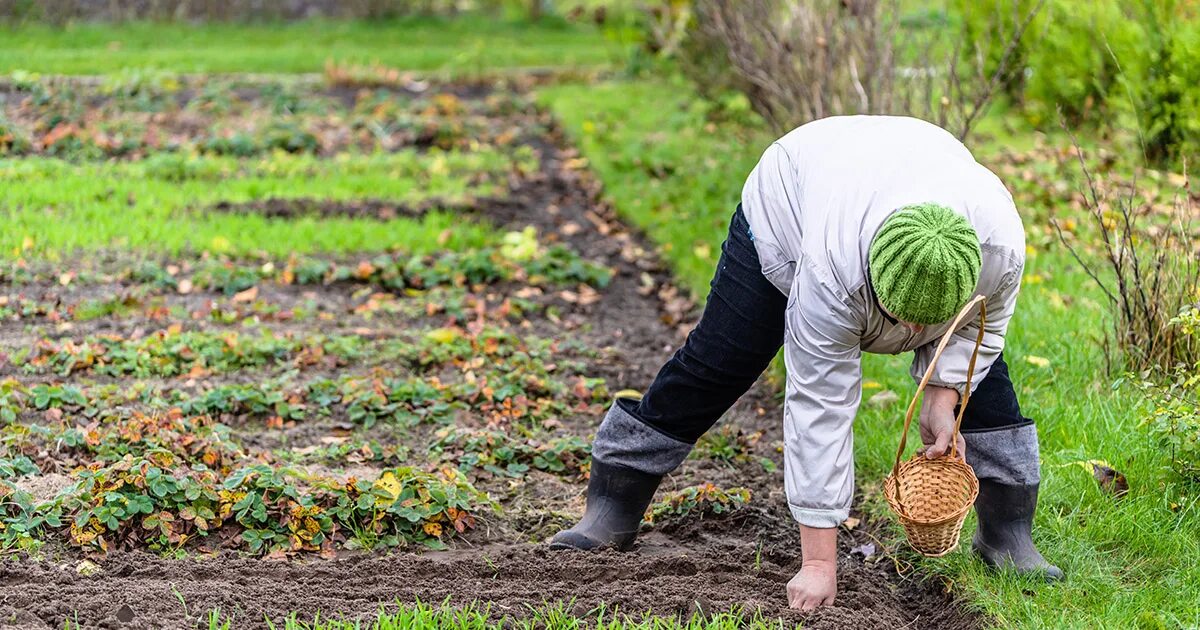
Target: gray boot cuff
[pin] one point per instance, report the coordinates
(624, 440)
(1007, 455)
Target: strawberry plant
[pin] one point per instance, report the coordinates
(274, 511)
(58, 397)
(22, 521)
(266, 399)
(729, 444)
(700, 500)
(174, 352)
(504, 455)
(141, 500)
(18, 466)
(13, 141)
(406, 505)
(12, 400)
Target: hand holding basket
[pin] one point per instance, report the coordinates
(931, 497)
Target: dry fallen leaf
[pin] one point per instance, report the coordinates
(1041, 362)
(1110, 480)
(249, 295)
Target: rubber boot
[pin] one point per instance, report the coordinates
(617, 498)
(1005, 521)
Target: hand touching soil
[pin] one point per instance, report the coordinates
(816, 583)
(937, 422)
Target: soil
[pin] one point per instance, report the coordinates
(696, 564)
(277, 208)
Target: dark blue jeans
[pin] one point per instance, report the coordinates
(739, 334)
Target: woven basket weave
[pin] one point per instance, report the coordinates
(931, 497)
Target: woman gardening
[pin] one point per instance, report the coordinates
(854, 234)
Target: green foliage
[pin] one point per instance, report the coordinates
(559, 616)
(19, 466)
(163, 503)
(419, 44)
(1167, 88)
(408, 505)
(728, 444)
(1116, 65)
(57, 397)
(404, 402)
(172, 352)
(13, 140)
(12, 399)
(1075, 62)
(1175, 424)
(700, 500)
(506, 455)
(261, 399)
(1174, 417)
(22, 522)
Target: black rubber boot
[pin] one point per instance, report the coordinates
(617, 498)
(1005, 521)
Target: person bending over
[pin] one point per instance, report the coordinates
(854, 234)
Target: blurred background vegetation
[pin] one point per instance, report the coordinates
(1108, 65)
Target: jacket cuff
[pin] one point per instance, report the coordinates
(961, 388)
(813, 517)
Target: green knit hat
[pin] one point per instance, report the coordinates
(924, 263)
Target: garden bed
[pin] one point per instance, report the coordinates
(335, 432)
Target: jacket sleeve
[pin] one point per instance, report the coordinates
(822, 353)
(951, 369)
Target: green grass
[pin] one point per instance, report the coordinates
(53, 208)
(472, 44)
(549, 617)
(1131, 563)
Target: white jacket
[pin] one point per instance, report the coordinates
(814, 202)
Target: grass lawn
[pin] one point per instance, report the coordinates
(158, 207)
(548, 618)
(467, 45)
(1131, 563)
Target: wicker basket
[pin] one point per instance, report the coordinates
(931, 497)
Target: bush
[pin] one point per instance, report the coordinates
(798, 61)
(1166, 87)
(1146, 268)
(1075, 62)
(1117, 65)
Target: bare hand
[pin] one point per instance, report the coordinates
(815, 585)
(937, 422)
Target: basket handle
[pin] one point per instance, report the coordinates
(978, 299)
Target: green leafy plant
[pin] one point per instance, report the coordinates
(506, 455)
(700, 500)
(1174, 420)
(18, 466)
(727, 444)
(22, 521)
